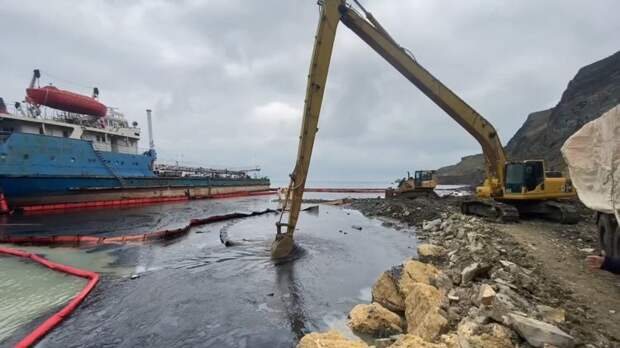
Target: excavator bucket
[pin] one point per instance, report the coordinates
(283, 245)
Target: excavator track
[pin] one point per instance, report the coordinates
(412, 194)
(560, 212)
(490, 209)
(551, 210)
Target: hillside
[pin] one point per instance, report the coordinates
(594, 90)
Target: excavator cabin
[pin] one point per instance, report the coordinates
(529, 179)
(526, 190)
(425, 179)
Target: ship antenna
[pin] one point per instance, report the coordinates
(150, 124)
(35, 77)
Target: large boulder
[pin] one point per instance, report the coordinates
(423, 311)
(418, 272)
(413, 341)
(538, 333)
(375, 320)
(385, 291)
(329, 339)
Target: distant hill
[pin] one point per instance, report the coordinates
(593, 91)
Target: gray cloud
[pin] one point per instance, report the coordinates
(226, 79)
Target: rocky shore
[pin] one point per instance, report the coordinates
(470, 285)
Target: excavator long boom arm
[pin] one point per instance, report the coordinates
(452, 104)
(334, 11)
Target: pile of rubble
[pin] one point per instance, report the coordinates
(470, 286)
(410, 211)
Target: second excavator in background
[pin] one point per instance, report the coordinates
(421, 184)
(509, 189)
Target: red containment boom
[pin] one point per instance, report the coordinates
(66, 101)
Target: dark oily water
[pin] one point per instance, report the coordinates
(193, 291)
(126, 220)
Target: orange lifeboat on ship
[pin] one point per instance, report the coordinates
(66, 101)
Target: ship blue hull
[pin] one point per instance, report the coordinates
(38, 170)
(41, 186)
(23, 154)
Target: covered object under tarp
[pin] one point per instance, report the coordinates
(593, 158)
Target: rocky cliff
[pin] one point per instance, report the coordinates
(470, 171)
(593, 91)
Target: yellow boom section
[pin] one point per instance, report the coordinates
(317, 78)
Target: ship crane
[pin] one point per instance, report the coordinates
(509, 188)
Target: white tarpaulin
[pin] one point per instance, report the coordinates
(593, 158)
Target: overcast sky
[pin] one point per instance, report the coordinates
(226, 79)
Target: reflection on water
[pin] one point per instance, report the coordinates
(194, 291)
(28, 290)
(288, 285)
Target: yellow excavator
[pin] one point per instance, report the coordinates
(510, 188)
(421, 184)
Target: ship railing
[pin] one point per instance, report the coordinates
(113, 119)
(26, 109)
(193, 171)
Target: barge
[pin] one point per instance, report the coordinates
(62, 150)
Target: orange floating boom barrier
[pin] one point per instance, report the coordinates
(344, 190)
(51, 207)
(77, 240)
(59, 316)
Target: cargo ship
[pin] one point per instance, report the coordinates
(63, 150)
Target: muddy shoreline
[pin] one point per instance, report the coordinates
(495, 284)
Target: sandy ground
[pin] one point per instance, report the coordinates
(595, 294)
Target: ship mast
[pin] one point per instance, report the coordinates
(150, 125)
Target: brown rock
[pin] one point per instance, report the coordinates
(419, 272)
(472, 334)
(413, 341)
(492, 336)
(552, 315)
(329, 339)
(375, 320)
(423, 306)
(486, 295)
(431, 252)
(466, 328)
(385, 291)
(450, 340)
